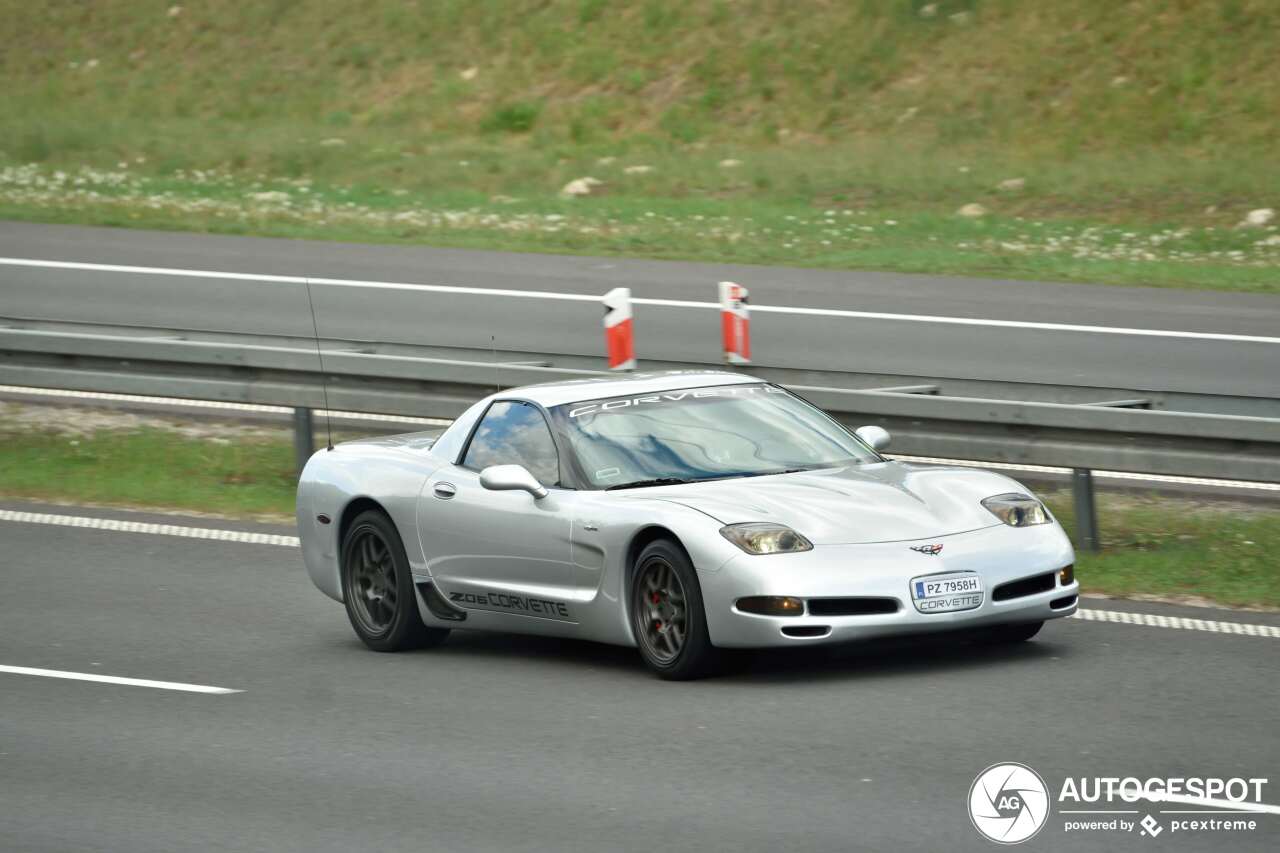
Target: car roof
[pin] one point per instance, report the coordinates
(550, 394)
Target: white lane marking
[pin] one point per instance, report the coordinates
(213, 404)
(1010, 324)
(669, 303)
(444, 422)
(1110, 475)
(115, 679)
(119, 526)
(1155, 620)
(1149, 620)
(1244, 807)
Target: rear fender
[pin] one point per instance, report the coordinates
(332, 480)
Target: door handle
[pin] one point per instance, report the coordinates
(444, 491)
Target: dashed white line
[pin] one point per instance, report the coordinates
(120, 526)
(670, 303)
(115, 679)
(1149, 620)
(1155, 620)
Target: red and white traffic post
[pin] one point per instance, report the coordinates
(618, 340)
(735, 323)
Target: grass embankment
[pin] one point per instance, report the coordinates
(152, 468)
(1152, 546)
(1130, 139)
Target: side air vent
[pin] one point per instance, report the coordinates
(439, 608)
(852, 606)
(1024, 587)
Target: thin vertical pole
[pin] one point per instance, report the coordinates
(304, 443)
(1086, 510)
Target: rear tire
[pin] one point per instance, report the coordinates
(377, 588)
(1018, 632)
(667, 615)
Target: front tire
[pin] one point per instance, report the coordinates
(377, 588)
(668, 616)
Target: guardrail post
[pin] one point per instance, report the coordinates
(304, 443)
(1086, 510)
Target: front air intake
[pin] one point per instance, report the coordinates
(1024, 587)
(858, 606)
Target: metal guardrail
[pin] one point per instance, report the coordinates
(1116, 435)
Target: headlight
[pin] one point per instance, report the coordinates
(1017, 510)
(762, 537)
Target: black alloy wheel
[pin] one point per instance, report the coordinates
(667, 614)
(377, 588)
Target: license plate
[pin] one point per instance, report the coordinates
(946, 593)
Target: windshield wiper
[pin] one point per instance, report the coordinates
(680, 481)
(657, 481)
(771, 473)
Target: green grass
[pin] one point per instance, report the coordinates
(1141, 119)
(907, 239)
(1178, 548)
(1152, 546)
(151, 468)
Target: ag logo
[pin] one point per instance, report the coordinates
(1008, 803)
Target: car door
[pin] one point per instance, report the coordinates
(501, 550)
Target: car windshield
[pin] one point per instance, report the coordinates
(703, 434)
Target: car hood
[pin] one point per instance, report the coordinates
(882, 502)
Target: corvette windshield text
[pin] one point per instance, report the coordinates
(738, 391)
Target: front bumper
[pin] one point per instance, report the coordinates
(884, 571)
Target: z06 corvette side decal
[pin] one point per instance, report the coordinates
(543, 607)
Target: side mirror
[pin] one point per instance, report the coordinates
(877, 437)
(509, 478)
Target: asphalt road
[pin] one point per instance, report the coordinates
(510, 743)
(900, 348)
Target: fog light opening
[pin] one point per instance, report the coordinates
(772, 605)
(806, 631)
(1067, 575)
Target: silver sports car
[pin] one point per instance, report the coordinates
(681, 513)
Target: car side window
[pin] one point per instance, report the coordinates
(515, 433)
